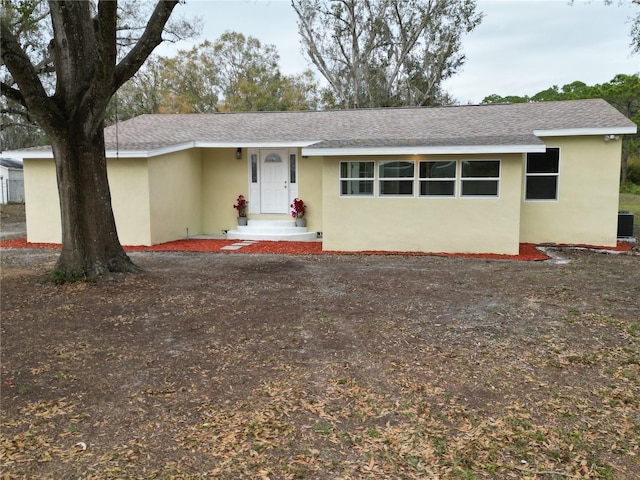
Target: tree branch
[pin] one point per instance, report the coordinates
(106, 37)
(151, 38)
(32, 93)
(12, 93)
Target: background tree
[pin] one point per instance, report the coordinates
(635, 30)
(233, 73)
(88, 69)
(623, 92)
(141, 94)
(17, 128)
(378, 53)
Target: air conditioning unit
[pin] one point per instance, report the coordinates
(625, 224)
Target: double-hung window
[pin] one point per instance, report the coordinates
(542, 175)
(438, 179)
(356, 178)
(396, 178)
(480, 178)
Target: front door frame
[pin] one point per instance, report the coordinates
(255, 162)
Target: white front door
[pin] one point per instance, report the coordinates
(274, 187)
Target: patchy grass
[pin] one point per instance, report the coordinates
(631, 203)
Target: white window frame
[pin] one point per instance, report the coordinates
(396, 179)
(556, 174)
(479, 179)
(453, 179)
(371, 179)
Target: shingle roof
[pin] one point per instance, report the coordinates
(473, 125)
(10, 163)
(508, 125)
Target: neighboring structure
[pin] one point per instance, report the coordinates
(462, 179)
(11, 181)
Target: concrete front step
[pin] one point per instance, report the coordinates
(274, 230)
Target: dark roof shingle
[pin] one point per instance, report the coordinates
(503, 124)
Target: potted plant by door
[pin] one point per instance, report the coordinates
(241, 207)
(298, 209)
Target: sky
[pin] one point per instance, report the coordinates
(520, 48)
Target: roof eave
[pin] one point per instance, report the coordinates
(572, 132)
(423, 150)
(187, 145)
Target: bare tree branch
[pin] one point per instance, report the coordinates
(32, 93)
(150, 39)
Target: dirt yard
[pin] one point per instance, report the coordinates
(215, 365)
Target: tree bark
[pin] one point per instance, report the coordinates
(90, 245)
(84, 53)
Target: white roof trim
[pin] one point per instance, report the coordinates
(21, 154)
(150, 153)
(571, 132)
(186, 146)
(432, 150)
(294, 144)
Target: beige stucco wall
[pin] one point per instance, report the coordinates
(175, 193)
(454, 225)
(129, 186)
(223, 179)
(42, 206)
(310, 190)
(588, 190)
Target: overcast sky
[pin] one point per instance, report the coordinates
(520, 48)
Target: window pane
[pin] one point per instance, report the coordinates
(544, 162)
(356, 187)
(273, 158)
(396, 187)
(254, 168)
(356, 170)
(437, 188)
(475, 169)
(437, 169)
(292, 168)
(480, 187)
(542, 188)
(396, 169)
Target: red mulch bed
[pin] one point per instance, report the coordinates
(527, 251)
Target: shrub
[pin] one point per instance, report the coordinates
(633, 171)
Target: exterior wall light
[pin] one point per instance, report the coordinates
(238, 153)
(611, 137)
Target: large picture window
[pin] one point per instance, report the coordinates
(356, 178)
(396, 178)
(480, 178)
(542, 175)
(438, 179)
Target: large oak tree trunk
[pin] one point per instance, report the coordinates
(90, 245)
(84, 53)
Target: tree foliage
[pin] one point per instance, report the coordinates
(66, 88)
(623, 92)
(27, 20)
(379, 53)
(635, 30)
(30, 21)
(233, 73)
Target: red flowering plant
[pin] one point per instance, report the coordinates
(241, 206)
(298, 208)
